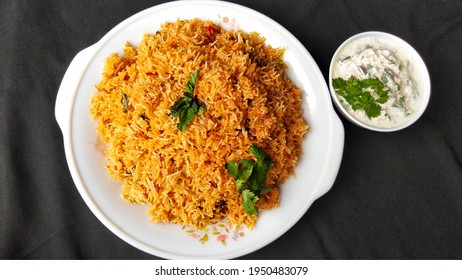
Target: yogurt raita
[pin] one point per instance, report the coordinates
(369, 58)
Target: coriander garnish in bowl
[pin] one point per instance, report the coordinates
(379, 82)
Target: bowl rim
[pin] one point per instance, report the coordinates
(415, 57)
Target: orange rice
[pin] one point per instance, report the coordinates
(248, 97)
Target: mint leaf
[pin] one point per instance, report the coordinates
(191, 84)
(180, 105)
(187, 106)
(201, 109)
(186, 117)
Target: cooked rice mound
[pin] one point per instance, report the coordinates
(182, 176)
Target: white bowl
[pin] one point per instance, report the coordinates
(315, 172)
(404, 52)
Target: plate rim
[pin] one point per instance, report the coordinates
(67, 131)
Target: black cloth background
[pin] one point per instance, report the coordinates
(397, 195)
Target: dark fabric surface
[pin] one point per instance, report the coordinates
(397, 195)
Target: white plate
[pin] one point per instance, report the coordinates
(315, 173)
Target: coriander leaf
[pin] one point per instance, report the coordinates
(264, 165)
(377, 86)
(353, 86)
(373, 110)
(243, 177)
(233, 169)
(364, 94)
(264, 190)
(240, 173)
(245, 172)
(248, 200)
(250, 175)
(339, 83)
(258, 152)
(247, 163)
